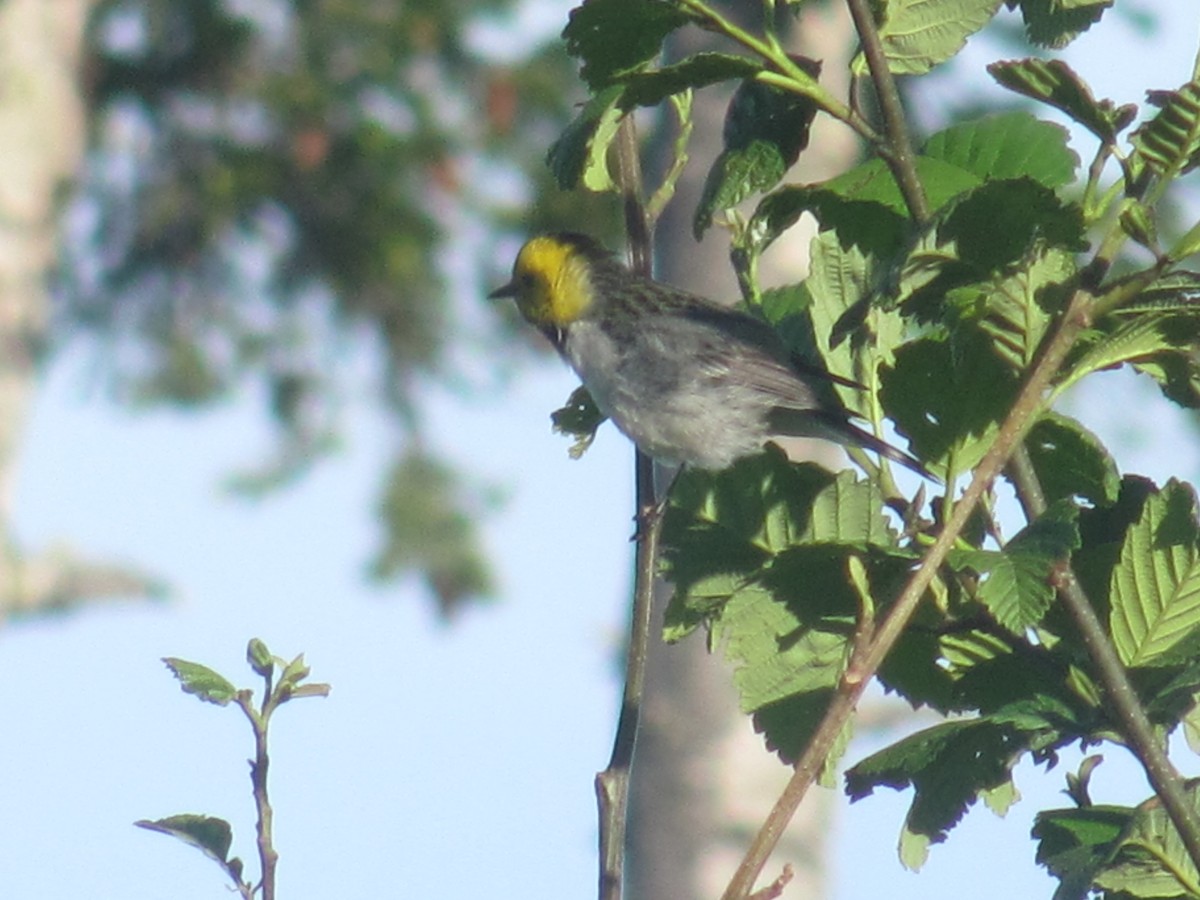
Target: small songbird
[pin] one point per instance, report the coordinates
(687, 380)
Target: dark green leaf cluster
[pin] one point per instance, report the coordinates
(936, 284)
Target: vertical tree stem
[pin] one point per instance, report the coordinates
(612, 785)
(1125, 705)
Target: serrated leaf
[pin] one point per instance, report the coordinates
(949, 397)
(1150, 859)
(1155, 589)
(580, 155)
(1177, 291)
(948, 766)
(201, 681)
(1017, 588)
(1136, 339)
(1015, 309)
(1055, 24)
(614, 37)
(1169, 143)
(918, 34)
(697, 71)
(210, 835)
(841, 285)
(765, 130)
(864, 206)
(1007, 146)
(1074, 843)
(1070, 461)
(786, 667)
(1055, 83)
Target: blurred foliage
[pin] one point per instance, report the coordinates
(269, 193)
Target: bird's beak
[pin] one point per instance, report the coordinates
(509, 290)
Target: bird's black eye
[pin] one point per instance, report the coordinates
(526, 279)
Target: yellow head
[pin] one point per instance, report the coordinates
(552, 279)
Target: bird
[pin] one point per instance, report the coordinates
(689, 381)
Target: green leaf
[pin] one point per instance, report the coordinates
(948, 397)
(1070, 461)
(765, 130)
(1055, 83)
(1018, 585)
(697, 71)
(1177, 291)
(1155, 592)
(260, 658)
(948, 766)
(1073, 844)
(841, 286)
(777, 557)
(864, 206)
(918, 34)
(1015, 309)
(1055, 23)
(1169, 143)
(1142, 339)
(579, 418)
(580, 155)
(212, 836)
(1008, 146)
(1150, 858)
(614, 37)
(201, 681)
(720, 529)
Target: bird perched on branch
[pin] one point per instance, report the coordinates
(687, 380)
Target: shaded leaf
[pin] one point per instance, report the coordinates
(1169, 143)
(212, 836)
(1070, 461)
(580, 155)
(1073, 844)
(1056, 24)
(948, 766)
(765, 130)
(613, 37)
(697, 71)
(1055, 83)
(1018, 587)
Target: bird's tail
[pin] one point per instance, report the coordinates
(837, 428)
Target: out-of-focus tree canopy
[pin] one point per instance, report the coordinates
(269, 192)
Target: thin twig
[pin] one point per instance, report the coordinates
(898, 151)
(1125, 705)
(612, 785)
(267, 855)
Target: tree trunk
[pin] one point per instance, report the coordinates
(702, 780)
(42, 135)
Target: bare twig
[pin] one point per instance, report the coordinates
(612, 785)
(897, 152)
